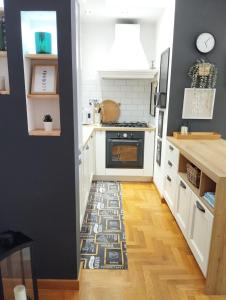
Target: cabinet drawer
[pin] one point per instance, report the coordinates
(183, 207)
(200, 232)
(170, 187)
(172, 155)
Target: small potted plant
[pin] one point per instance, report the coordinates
(48, 123)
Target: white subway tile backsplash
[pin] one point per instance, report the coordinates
(134, 96)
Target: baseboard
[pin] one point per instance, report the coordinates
(124, 178)
(58, 284)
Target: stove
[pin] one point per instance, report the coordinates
(126, 124)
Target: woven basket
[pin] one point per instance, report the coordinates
(193, 174)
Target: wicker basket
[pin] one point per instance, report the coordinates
(193, 174)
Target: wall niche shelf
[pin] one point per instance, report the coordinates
(43, 97)
(41, 56)
(39, 105)
(41, 132)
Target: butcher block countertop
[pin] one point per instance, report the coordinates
(208, 155)
(89, 129)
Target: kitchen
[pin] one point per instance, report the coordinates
(120, 126)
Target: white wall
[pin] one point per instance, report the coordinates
(96, 41)
(164, 40)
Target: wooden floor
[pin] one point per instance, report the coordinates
(161, 266)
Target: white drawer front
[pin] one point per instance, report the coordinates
(183, 207)
(172, 155)
(170, 187)
(200, 232)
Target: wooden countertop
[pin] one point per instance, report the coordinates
(89, 129)
(208, 155)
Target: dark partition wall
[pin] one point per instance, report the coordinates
(39, 175)
(192, 18)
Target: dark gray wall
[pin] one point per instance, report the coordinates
(192, 18)
(38, 175)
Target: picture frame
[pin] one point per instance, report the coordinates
(160, 123)
(159, 152)
(44, 79)
(153, 99)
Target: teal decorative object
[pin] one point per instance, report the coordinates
(43, 42)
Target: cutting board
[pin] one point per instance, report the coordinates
(197, 136)
(110, 111)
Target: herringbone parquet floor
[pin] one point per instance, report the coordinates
(161, 266)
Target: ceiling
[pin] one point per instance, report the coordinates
(149, 10)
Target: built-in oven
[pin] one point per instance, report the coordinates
(125, 149)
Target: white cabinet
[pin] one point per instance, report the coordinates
(200, 232)
(171, 178)
(100, 153)
(183, 207)
(86, 172)
(170, 189)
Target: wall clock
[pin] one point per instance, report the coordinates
(205, 42)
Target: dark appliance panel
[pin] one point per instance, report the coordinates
(124, 150)
(163, 79)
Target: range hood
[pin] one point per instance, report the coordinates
(127, 58)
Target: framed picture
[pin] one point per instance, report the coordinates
(153, 98)
(198, 103)
(160, 123)
(159, 152)
(44, 80)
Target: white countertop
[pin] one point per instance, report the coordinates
(87, 130)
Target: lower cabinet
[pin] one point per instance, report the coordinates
(200, 232)
(183, 207)
(86, 172)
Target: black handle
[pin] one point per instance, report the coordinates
(169, 163)
(169, 179)
(200, 207)
(87, 147)
(183, 185)
(171, 148)
(79, 162)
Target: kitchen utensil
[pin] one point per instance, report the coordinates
(110, 111)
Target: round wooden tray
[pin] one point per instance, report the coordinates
(110, 111)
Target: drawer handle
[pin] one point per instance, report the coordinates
(170, 164)
(169, 179)
(87, 147)
(183, 185)
(80, 162)
(200, 207)
(171, 148)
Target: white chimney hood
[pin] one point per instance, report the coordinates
(127, 58)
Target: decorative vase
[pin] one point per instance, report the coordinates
(48, 126)
(43, 42)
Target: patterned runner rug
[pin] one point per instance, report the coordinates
(103, 241)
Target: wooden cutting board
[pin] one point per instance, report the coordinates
(110, 111)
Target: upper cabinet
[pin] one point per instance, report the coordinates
(4, 73)
(39, 40)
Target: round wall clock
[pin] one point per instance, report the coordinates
(205, 42)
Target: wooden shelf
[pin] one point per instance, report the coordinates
(42, 56)
(3, 53)
(4, 92)
(196, 191)
(43, 97)
(42, 132)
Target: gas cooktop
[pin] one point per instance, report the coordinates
(126, 124)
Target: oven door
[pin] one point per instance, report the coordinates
(127, 154)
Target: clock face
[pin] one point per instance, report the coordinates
(205, 42)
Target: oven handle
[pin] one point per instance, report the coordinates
(125, 141)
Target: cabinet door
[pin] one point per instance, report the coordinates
(183, 207)
(100, 153)
(200, 232)
(81, 189)
(170, 190)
